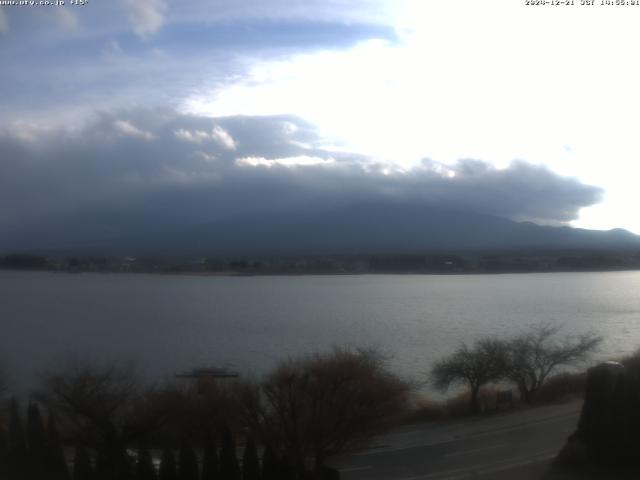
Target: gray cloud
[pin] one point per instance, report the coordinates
(145, 17)
(130, 172)
(4, 22)
(370, 11)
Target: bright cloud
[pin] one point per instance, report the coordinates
(197, 136)
(299, 161)
(127, 128)
(221, 136)
(217, 134)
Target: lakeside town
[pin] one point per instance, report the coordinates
(433, 263)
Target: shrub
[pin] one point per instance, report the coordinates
(321, 405)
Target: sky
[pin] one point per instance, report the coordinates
(123, 112)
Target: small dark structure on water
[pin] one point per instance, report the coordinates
(207, 376)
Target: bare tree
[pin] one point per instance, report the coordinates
(534, 355)
(106, 405)
(473, 366)
(321, 405)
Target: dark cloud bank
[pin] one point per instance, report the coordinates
(158, 179)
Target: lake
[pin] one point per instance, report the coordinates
(169, 323)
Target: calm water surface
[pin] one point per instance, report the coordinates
(169, 323)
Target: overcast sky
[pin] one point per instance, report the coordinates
(205, 109)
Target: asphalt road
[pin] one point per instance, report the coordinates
(497, 447)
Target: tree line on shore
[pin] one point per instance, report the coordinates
(434, 263)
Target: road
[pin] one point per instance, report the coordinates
(488, 447)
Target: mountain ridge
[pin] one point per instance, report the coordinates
(364, 229)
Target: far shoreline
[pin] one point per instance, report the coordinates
(239, 274)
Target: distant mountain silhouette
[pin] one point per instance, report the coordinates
(374, 229)
(364, 229)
